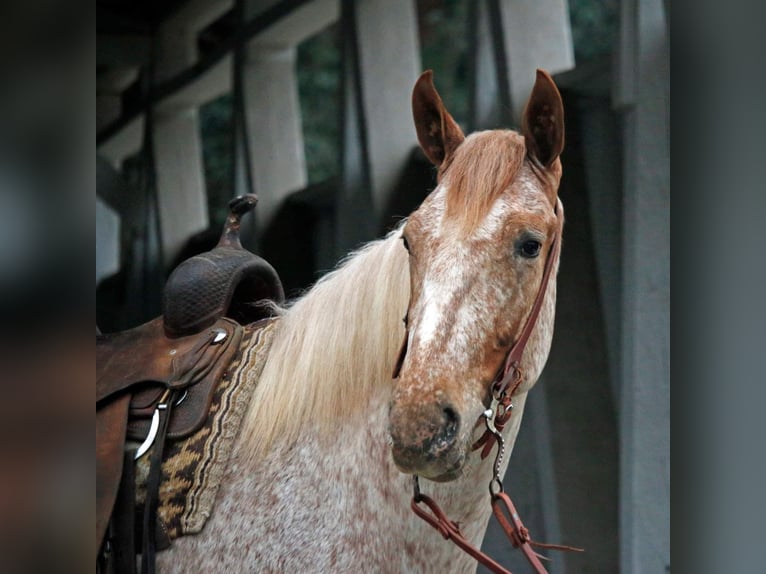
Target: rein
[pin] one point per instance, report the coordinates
(502, 390)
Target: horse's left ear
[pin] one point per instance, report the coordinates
(438, 133)
(543, 121)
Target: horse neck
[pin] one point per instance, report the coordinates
(333, 348)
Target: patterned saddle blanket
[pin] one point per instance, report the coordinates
(192, 468)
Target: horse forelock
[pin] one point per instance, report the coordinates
(332, 349)
(484, 166)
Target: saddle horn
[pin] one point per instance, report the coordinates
(227, 281)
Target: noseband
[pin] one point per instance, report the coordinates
(502, 389)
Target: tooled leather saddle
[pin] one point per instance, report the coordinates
(155, 382)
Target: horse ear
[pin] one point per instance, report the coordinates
(543, 121)
(438, 134)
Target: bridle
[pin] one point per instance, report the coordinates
(502, 390)
(511, 376)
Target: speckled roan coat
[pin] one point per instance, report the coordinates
(312, 485)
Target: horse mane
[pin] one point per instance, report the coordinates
(484, 166)
(332, 348)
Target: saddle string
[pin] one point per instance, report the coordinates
(148, 550)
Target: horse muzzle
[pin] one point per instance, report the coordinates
(425, 440)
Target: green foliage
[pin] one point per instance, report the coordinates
(594, 27)
(216, 131)
(319, 72)
(443, 26)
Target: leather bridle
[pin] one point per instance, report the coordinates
(510, 377)
(502, 389)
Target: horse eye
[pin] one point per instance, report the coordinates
(530, 248)
(406, 243)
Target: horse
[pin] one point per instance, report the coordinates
(321, 476)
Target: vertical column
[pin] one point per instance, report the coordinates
(389, 63)
(537, 35)
(272, 103)
(489, 104)
(180, 180)
(177, 147)
(107, 241)
(645, 405)
(355, 221)
(580, 428)
(600, 133)
(273, 113)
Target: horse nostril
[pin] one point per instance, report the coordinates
(424, 436)
(451, 422)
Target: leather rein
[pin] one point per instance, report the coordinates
(502, 389)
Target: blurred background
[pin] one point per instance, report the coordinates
(307, 104)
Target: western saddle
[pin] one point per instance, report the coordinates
(156, 381)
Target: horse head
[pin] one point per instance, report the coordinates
(478, 247)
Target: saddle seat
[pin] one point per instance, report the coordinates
(181, 354)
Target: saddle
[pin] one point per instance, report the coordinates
(156, 381)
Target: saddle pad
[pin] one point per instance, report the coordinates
(192, 468)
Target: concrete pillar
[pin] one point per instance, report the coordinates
(600, 132)
(177, 146)
(580, 426)
(181, 191)
(645, 388)
(107, 241)
(490, 105)
(273, 111)
(537, 35)
(389, 62)
(354, 210)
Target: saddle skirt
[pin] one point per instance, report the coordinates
(193, 467)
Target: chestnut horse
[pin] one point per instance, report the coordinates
(320, 479)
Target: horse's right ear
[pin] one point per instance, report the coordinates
(438, 134)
